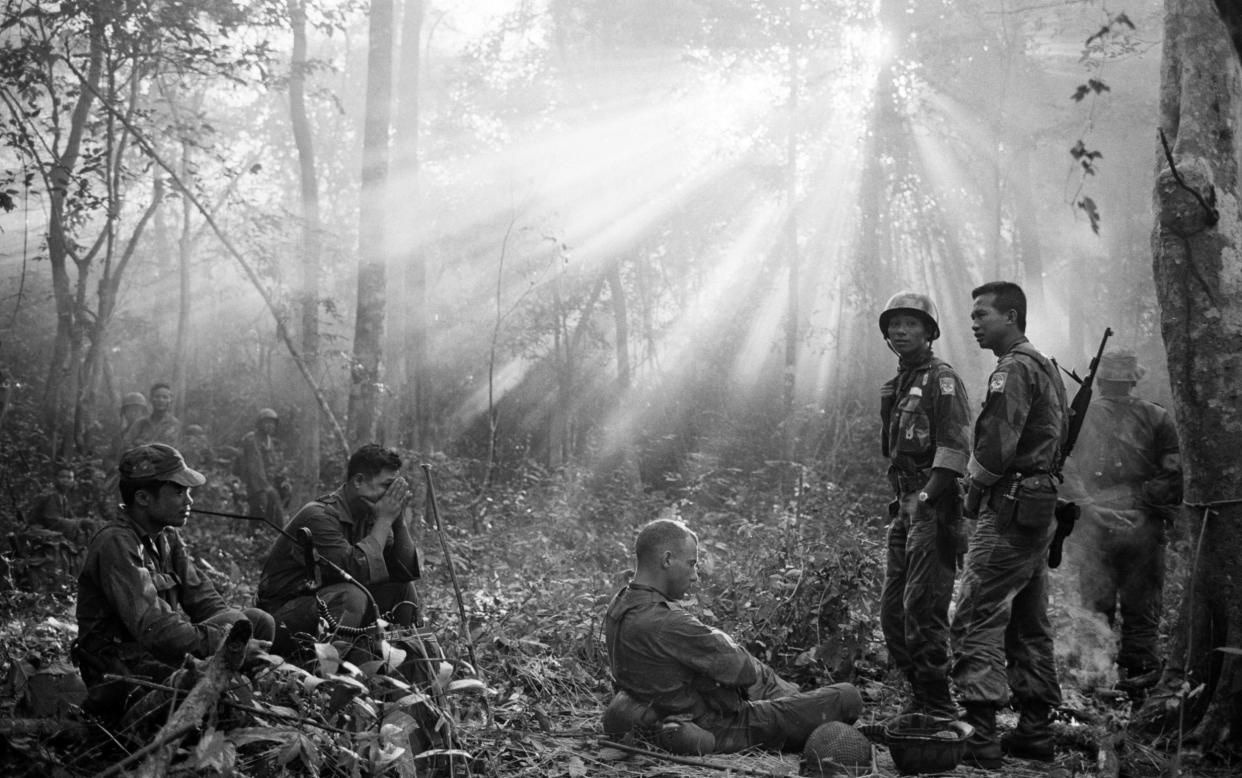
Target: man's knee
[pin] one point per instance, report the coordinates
(262, 625)
(347, 603)
(840, 702)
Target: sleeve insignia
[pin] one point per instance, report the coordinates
(948, 385)
(997, 382)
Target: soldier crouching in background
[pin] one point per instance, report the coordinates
(690, 686)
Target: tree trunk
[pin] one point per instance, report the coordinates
(792, 314)
(1198, 274)
(621, 322)
(309, 243)
(365, 375)
(60, 390)
(185, 250)
(414, 419)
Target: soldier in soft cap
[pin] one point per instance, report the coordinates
(1127, 468)
(143, 606)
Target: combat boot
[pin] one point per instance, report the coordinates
(934, 699)
(982, 750)
(625, 714)
(1032, 739)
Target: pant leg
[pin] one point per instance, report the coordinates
(1029, 642)
(929, 590)
(784, 723)
(892, 598)
(1141, 593)
(999, 565)
(768, 685)
(397, 601)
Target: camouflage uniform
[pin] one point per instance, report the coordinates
(266, 476)
(926, 424)
(1001, 635)
(678, 668)
(166, 429)
(1122, 464)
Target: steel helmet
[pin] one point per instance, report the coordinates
(133, 398)
(267, 413)
(913, 303)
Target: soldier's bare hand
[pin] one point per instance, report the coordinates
(391, 506)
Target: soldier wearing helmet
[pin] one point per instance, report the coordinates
(1127, 470)
(926, 438)
(134, 409)
(264, 470)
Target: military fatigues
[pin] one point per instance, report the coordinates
(926, 424)
(678, 668)
(1001, 634)
(143, 607)
(266, 476)
(1119, 546)
(340, 534)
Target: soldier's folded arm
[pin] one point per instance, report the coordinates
(158, 628)
(708, 651)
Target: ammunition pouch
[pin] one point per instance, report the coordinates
(1029, 502)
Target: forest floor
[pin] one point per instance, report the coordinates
(534, 586)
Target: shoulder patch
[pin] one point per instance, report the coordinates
(948, 386)
(997, 382)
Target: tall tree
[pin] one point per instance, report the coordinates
(365, 373)
(1197, 263)
(412, 361)
(309, 243)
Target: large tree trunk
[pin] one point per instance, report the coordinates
(415, 422)
(309, 245)
(1198, 273)
(364, 395)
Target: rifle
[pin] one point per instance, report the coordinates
(1067, 513)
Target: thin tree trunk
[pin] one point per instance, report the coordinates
(185, 250)
(309, 243)
(364, 396)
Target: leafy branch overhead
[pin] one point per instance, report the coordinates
(1092, 85)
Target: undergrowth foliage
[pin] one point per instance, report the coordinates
(792, 564)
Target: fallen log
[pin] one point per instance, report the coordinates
(202, 698)
(45, 728)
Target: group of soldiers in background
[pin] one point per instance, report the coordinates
(61, 520)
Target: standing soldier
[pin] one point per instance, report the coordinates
(1129, 466)
(133, 411)
(1001, 635)
(263, 469)
(926, 437)
(161, 426)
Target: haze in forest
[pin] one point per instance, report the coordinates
(638, 222)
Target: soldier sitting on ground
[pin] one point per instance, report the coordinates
(60, 524)
(689, 687)
(363, 529)
(143, 606)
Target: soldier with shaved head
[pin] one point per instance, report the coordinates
(689, 687)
